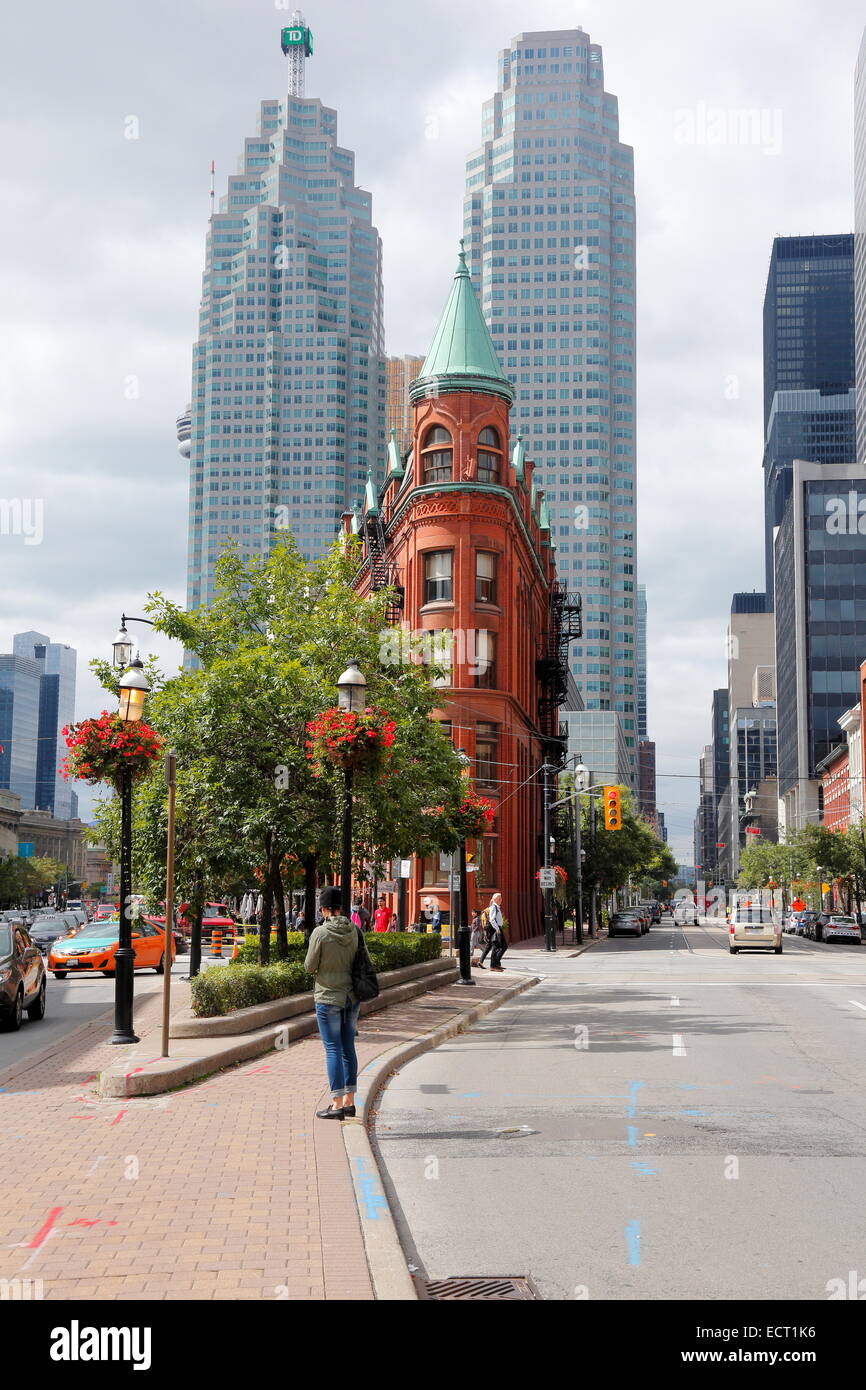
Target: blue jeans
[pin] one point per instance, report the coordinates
(337, 1030)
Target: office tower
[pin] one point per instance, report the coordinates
(647, 781)
(37, 698)
(809, 398)
(750, 645)
(549, 226)
(288, 380)
(640, 646)
(860, 244)
(820, 556)
(401, 372)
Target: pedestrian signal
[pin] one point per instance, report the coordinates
(612, 809)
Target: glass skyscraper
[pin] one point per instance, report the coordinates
(288, 381)
(809, 400)
(860, 243)
(37, 698)
(549, 225)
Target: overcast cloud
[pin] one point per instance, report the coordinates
(102, 247)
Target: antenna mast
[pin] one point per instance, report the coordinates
(297, 44)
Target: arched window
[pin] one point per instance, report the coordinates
(489, 456)
(436, 455)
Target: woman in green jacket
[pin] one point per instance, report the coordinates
(329, 958)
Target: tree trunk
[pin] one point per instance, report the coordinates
(280, 902)
(310, 865)
(195, 915)
(267, 906)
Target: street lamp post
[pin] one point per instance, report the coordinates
(351, 694)
(584, 774)
(464, 948)
(578, 868)
(132, 690)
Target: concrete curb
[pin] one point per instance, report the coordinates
(209, 1055)
(386, 1258)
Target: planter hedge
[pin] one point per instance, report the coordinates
(239, 985)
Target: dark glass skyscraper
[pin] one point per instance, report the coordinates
(808, 365)
(820, 556)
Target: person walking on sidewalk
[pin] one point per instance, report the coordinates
(382, 915)
(329, 958)
(476, 940)
(496, 920)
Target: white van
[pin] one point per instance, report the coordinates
(754, 928)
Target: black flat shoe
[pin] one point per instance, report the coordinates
(349, 1111)
(329, 1114)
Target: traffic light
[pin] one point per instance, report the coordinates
(612, 809)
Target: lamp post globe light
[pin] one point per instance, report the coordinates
(351, 697)
(133, 688)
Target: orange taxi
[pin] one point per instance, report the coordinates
(93, 948)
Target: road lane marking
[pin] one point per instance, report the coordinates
(675, 1002)
(857, 1005)
(632, 1241)
(679, 1045)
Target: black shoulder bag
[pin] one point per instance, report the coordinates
(365, 982)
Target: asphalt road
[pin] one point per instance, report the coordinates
(69, 1003)
(702, 1138)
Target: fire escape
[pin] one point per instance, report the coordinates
(383, 573)
(551, 667)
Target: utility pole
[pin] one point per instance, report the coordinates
(578, 866)
(593, 911)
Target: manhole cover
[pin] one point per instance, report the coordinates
(475, 1287)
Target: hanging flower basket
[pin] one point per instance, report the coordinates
(100, 749)
(340, 738)
(474, 817)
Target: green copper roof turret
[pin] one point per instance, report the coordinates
(371, 497)
(462, 356)
(518, 458)
(395, 463)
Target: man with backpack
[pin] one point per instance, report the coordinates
(497, 928)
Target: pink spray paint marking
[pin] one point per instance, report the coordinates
(42, 1233)
(118, 1117)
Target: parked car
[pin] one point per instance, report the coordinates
(22, 978)
(754, 929)
(94, 948)
(626, 923)
(840, 928)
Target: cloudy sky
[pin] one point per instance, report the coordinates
(102, 245)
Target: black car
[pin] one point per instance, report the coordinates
(46, 930)
(22, 978)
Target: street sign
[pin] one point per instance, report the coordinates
(472, 868)
(455, 883)
(547, 878)
(404, 868)
(388, 886)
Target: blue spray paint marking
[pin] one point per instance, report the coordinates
(471, 1095)
(643, 1169)
(696, 1112)
(632, 1136)
(373, 1201)
(634, 1087)
(632, 1240)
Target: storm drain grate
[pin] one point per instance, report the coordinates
(468, 1287)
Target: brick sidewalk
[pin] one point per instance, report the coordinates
(228, 1189)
